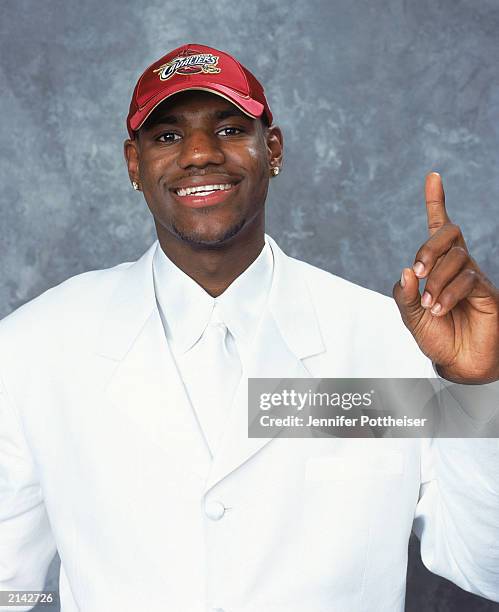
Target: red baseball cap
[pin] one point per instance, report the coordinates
(196, 67)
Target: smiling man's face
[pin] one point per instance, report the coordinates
(200, 140)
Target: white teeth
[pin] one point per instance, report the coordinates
(202, 189)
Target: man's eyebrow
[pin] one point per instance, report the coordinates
(231, 112)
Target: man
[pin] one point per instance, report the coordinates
(124, 394)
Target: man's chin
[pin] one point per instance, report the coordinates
(207, 239)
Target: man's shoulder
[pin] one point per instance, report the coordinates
(326, 287)
(358, 321)
(73, 301)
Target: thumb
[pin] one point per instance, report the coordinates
(406, 295)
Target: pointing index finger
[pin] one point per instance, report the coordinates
(435, 203)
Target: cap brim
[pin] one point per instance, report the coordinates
(247, 105)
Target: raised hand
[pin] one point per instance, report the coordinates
(456, 320)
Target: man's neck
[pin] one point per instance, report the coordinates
(214, 268)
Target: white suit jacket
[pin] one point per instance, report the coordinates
(102, 459)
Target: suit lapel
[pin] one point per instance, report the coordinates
(145, 388)
(288, 333)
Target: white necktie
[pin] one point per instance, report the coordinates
(217, 379)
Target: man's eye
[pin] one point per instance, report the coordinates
(168, 137)
(230, 131)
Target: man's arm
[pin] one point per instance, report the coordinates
(456, 324)
(26, 542)
(457, 516)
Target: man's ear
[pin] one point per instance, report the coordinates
(131, 151)
(274, 142)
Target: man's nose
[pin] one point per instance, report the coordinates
(200, 149)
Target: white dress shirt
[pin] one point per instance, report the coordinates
(190, 315)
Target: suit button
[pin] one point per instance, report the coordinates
(214, 510)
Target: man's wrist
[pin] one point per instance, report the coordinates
(482, 379)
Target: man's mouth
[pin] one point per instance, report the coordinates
(202, 196)
(203, 190)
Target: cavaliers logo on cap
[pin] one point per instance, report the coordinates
(191, 64)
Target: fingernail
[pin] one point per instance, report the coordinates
(402, 280)
(436, 309)
(418, 268)
(426, 299)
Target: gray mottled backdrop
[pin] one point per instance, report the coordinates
(370, 94)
